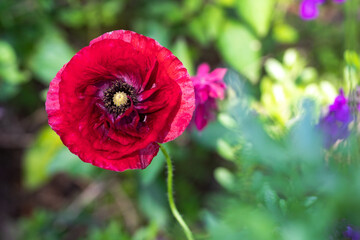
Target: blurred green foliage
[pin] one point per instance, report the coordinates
(259, 172)
(50, 54)
(111, 232)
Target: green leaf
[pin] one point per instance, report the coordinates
(242, 222)
(226, 3)
(158, 31)
(153, 204)
(352, 59)
(72, 17)
(237, 87)
(213, 20)
(210, 135)
(291, 57)
(240, 49)
(208, 25)
(149, 174)
(181, 51)
(225, 149)
(7, 91)
(10, 75)
(257, 14)
(7, 53)
(227, 121)
(285, 33)
(38, 157)
(38, 223)
(191, 6)
(65, 161)
(50, 54)
(310, 201)
(270, 197)
(224, 177)
(147, 233)
(110, 11)
(112, 231)
(305, 142)
(169, 10)
(275, 70)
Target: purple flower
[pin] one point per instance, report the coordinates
(208, 87)
(308, 9)
(351, 234)
(335, 123)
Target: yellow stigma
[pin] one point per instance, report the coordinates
(120, 99)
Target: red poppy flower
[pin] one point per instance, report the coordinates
(117, 98)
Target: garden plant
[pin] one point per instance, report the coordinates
(171, 120)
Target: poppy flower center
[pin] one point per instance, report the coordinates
(119, 97)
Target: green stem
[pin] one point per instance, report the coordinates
(351, 27)
(173, 208)
(351, 45)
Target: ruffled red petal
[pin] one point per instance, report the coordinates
(76, 111)
(170, 66)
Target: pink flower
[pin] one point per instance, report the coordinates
(208, 87)
(309, 10)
